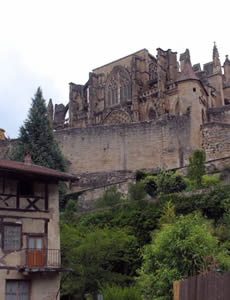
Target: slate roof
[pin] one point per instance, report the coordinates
(30, 169)
(187, 73)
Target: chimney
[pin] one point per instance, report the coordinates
(2, 134)
(27, 159)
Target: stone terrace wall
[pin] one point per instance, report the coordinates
(94, 180)
(216, 140)
(219, 114)
(163, 144)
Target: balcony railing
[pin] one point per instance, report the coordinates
(41, 258)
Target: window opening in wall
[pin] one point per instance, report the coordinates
(129, 91)
(194, 89)
(10, 237)
(17, 290)
(118, 88)
(125, 92)
(121, 94)
(87, 91)
(26, 188)
(36, 252)
(109, 98)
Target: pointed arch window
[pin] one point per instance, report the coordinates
(118, 87)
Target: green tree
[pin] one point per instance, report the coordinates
(196, 168)
(110, 197)
(137, 191)
(168, 182)
(96, 256)
(116, 292)
(36, 138)
(180, 249)
(168, 213)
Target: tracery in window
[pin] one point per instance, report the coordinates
(152, 114)
(118, 87)
(153, 72)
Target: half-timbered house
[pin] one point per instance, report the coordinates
(30, 262)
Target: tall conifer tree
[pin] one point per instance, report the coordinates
(36, 138)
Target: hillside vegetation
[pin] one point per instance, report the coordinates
(137, 247)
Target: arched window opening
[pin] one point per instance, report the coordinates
(153, 72)
(203, 116)
(177, 109)
(152, 114)
(118, 87)
(109, 98)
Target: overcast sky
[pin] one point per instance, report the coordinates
(50, 43)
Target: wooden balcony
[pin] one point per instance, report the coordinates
(41, 260)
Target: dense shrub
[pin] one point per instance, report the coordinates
(120, 293)
(150, 185)
(196, 167)
(141, 174)
(168, 182)
(179, 249)
(137, 191)
(208, 181)
(110, 197)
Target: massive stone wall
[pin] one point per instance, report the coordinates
(216, 140)
(219, 114)
(162, 144)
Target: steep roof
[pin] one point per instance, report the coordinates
(34, 170)
(187, 73)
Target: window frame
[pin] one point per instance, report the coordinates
(17, 281)
(22, 185)
(2, 234)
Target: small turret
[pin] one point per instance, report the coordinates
(216, 60)
(227, 71)
(187, 72)
(184, 59)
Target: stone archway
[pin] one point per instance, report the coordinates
(152, 114)
(117, 117)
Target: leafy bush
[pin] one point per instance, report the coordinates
(196, 168)
(96, 255)
(141, 174)
(115, 292)
(208, 181)
(168, 182)
(168, 213)
(137, 191)
(150, 185)
(177, 250)
(110, 197)
(70, 209)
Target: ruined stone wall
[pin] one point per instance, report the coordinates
(219, 114)
(97, 179)
(87, 198)
(161, 144)
(216, 140)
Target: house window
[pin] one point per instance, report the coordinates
(10, 237)
(17, 290)
(26, 188)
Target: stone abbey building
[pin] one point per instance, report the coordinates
(141, 87)
(143, 111)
